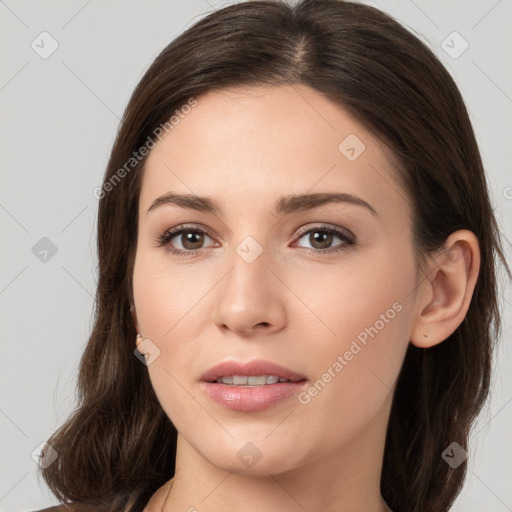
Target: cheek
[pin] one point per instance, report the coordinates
(366, 316)
(362, 298)
(171, 316)
(166, 296)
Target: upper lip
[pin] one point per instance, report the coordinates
(250, 368)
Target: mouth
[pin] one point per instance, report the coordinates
(252, 386)
(253, 373)
(253, 380)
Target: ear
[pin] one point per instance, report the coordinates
(134, 316)
(446, 292)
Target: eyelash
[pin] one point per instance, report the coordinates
(345, 235)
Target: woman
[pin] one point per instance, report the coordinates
(297, 296)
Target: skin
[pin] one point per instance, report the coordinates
(245, 148)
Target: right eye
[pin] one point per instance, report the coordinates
(191, 239)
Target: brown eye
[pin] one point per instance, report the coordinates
(183, 240)
(191, 240)
(321, 239)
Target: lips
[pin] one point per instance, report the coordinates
(251, 398)
(251, 368)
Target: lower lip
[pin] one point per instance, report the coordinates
(251, 398)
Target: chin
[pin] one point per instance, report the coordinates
(254, 455)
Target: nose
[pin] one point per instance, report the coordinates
(250, 299)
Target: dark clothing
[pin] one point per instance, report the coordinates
(58, 508)
(138, 506)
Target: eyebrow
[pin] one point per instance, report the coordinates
(284, 205)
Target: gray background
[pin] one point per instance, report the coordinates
(59, 118)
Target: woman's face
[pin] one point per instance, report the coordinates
(324, 289)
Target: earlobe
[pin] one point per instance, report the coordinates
(448, 290)
(138, 340)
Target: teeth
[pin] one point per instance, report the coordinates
(239, 380)
(253, 380)
(256, 381)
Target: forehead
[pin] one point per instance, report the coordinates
(248, 145)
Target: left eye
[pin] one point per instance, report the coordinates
(322, 237)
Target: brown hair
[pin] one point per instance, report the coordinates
(119, 445)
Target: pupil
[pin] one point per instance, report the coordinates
(321, 237)
(189, 239)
